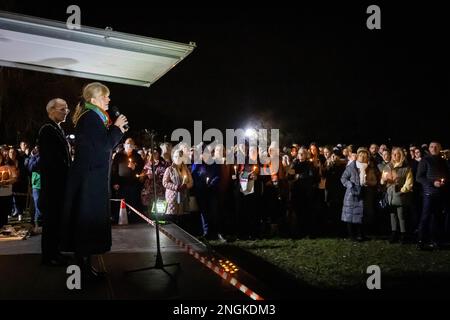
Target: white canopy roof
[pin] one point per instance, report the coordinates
(49, 46)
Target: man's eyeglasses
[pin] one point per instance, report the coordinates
(66, 110)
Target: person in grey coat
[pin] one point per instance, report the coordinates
(398, 178)
(354, 180)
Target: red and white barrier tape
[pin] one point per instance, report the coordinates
(204, 260)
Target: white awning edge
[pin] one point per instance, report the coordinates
(49, 46)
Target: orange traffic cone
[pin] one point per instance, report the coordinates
(123, 215)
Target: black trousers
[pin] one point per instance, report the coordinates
(303, 206)
(132, 195)
(209, 209)
(51, 233)
(432, 219)
(247, 207)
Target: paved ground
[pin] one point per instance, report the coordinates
(134, 246)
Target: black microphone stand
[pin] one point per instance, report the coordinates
(159, 264)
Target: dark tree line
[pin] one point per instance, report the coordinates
(23, 97)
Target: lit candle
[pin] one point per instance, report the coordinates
(442, 180)
(184, 179)
(137, 176)
(235, 169)
(207, 180)
(254, 168)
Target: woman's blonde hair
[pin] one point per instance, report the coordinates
(403, 157)
(362, 151)
(91, 90)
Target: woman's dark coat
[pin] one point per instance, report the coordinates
(87, 223)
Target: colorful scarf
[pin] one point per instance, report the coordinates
(100, 112)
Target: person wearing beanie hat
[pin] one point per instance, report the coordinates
(337, 151)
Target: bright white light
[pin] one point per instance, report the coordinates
(250, 132)
(72, 136)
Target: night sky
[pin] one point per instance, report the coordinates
(317, 73)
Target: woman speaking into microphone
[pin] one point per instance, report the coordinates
(86, 221)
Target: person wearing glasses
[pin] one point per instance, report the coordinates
(54, 164)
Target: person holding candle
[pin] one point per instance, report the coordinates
(302, 182)
(206, 176)
(21, 184)
(177, 180)
(433, 174)
(248, 191)
(7, 179)
(125, 166)
(225, 192)
(274, 191)
(398, 178)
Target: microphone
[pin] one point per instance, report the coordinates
(115, 111)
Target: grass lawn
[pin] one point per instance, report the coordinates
(342, 264)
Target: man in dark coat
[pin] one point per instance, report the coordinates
(54, 165)
(302, 193)
(206, 178)
(433, 174)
